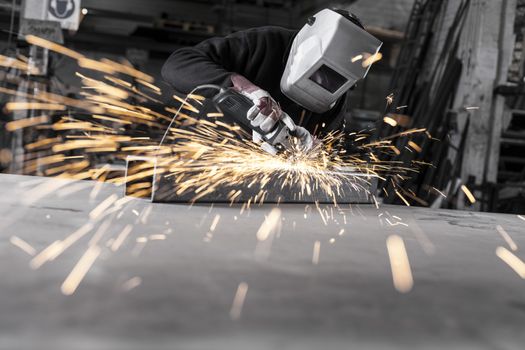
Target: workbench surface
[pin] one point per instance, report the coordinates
(172, 282)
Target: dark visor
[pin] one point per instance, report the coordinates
(328, 78)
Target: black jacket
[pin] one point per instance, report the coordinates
(260, 55)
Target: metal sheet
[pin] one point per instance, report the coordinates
(464, 296)
(348, 193)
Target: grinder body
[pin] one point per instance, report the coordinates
(235, 106)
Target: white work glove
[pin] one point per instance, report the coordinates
(265, 112)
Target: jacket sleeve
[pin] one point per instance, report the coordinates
(210, 62)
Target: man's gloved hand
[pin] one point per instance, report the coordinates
(268, 110)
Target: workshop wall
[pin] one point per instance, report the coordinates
(373, 13)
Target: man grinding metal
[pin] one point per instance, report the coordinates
(299, 78)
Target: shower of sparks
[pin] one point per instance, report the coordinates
(512, 260)
(80, 270)
(316, 252)
(357, 58)
(390, 99)
(399, 263)
(102, 207)
(198, 155)
(238, 301)
(17, 64)
(208, 164)
(371, 59)
(24, 123)
(56, 248)
(402, 198)
(45, 255)
(34, 40)
(415, 146)
(132, 283)
(473, 108)
(121, 238)
(23, 245)
(215, 222)
(390, 121)
(144, 216)
(513, 246)
(140, 244)
(469, 194)
(23, 106)
(157, 237)
(438, 192)
(270, 225)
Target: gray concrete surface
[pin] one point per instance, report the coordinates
(464, 296)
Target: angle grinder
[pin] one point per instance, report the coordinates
(235, 106)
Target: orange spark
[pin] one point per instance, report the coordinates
(399, 263)
(469, 194)
(512, 260)
(80, 270)
(316, 252)
(22, 106)
(238, 301)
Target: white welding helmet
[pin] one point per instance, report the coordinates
(328, 56)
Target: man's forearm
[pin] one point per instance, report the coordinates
(189, 67)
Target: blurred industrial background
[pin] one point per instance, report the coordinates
(299, 250)
(453, 67)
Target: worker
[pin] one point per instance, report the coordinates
(302, 74)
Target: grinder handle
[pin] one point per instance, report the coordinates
(235, 106)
